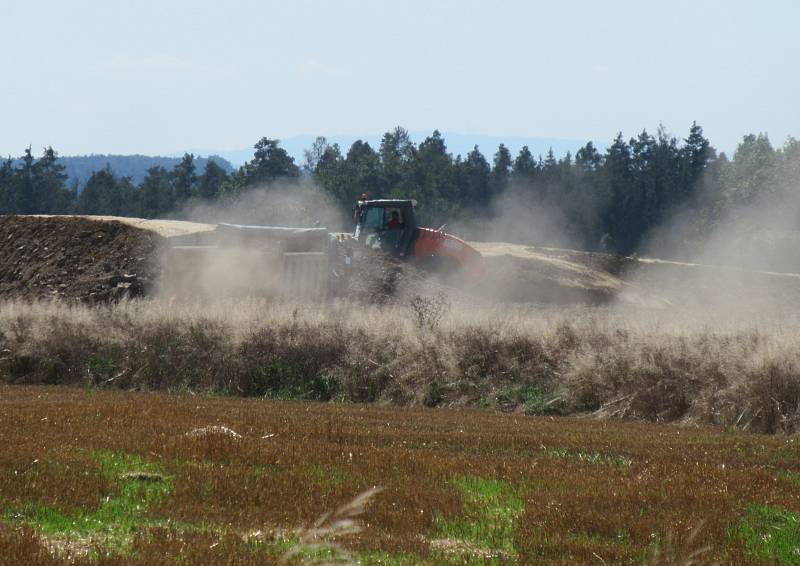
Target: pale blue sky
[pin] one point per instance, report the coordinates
(163, 76)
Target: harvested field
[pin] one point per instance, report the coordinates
(126, 478)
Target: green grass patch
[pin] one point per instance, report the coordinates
(791, 477)
(535, 400)
(491, 511)
(325, 476)
(137, 484)
(771, 534)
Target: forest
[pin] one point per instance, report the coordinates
(612, 201)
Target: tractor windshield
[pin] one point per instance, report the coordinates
(387, 225)
(369, 220)
(373, 219)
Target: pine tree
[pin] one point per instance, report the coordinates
(155, 193)
(25, 197)
(210, 183)
(313, 155)
(475, 174)
(330, 173)
(362, 166)
(184, 179)
(101, 195)
(270, 162)
(525, 166)
(618, 186)
(436, 186)
(48, 180)
(588, 158)
(7, 196)
(501, 171)
(399, 163)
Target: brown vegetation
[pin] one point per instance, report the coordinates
(587, 491)
(536, 361)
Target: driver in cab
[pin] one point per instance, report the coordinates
(394, 222)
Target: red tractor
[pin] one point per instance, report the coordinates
(311, 263)
(391, 225)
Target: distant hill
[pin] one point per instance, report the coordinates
(457, 144)
(80, 167)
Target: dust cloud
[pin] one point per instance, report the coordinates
(526, 242)
(515, 218)
(229, 262)
(740, 263)
(299, 203)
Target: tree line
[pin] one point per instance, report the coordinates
(609, 201)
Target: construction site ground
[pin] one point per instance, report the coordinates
(101, 258)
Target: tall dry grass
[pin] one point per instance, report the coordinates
(744, 374)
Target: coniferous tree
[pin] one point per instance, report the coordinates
(210, 183)
(475, 173)
(155, 198)
(588, 158)
(398, 156)
(618, 181)
(501, 170)
(436, 186)
(330, 173)
(697, 153)
(23, 189)
(8, 203)
(362, 167)
(184, 179)
(270, 162)
(313, 155)
(101, 195)
(753, 172)
(525, 166)
(48, 179)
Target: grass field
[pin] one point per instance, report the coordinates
(111, 477)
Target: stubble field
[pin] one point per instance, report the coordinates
(113, 477)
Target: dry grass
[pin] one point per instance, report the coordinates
(457, 486)
(537, 361)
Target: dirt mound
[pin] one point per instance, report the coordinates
(74, 258)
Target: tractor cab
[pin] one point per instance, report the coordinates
(386, 224)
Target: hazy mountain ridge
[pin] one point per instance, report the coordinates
(80, 167)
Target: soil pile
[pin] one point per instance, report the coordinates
(73, 258)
